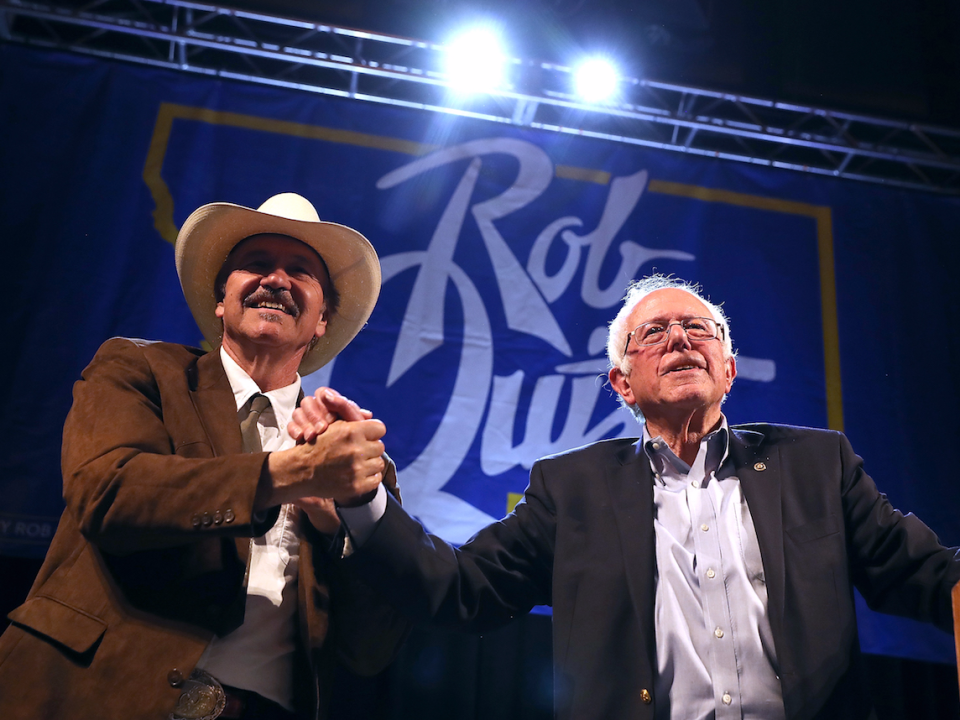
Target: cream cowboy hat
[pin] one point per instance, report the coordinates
(212, 231)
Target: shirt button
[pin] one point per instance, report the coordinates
(711, 573)
(207, 520)
(217, 518)
(655, 446)
(228, 516)
(727, 699)
(705, 527)
(196, 521)
(718, 633)
(696, 483)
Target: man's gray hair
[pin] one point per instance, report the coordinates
(617, 336)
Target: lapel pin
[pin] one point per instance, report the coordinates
(759, 467)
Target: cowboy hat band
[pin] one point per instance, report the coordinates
(213, 231)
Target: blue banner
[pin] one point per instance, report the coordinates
(505, 253)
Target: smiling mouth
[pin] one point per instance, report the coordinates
(272, 306)
(272, 303)
(683, 368)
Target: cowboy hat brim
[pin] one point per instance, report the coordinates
(212, 231)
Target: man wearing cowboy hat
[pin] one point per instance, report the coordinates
(195, 572)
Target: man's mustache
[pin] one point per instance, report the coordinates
(280, 297)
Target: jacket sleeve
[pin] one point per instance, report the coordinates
(501, 572)
(133, 483)
(897, 562)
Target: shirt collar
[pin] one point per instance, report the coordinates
(283, 400)
(659, 453)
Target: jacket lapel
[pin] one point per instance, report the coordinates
(213, 399)
(630, 483)
(759, 473)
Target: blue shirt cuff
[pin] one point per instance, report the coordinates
(361, 521)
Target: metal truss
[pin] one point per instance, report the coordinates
(235, 44)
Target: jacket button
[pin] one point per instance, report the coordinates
(207, 520)
(175, 678)
(646, 697)
(228, 516)
(196, 521)
(217, 518)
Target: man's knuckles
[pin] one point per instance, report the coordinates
(373, 429)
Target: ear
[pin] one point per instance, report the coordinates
(621, 383)
(731, 372)
(321, 325)
(219, 310)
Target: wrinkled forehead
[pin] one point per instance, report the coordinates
(668, 304)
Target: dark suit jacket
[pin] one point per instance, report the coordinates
(150, 557)
(583, 541)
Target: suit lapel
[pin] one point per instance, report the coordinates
(213, 399)
(630, 483)
(759, 471)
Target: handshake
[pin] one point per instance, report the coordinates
(338, 459)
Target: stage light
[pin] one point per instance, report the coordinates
(595, 80)
(476, 61)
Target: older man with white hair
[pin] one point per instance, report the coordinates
(700, 571)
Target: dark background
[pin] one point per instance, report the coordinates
(885, 58)
(507, 674)
(891, 58)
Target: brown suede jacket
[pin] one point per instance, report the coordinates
(149, 560)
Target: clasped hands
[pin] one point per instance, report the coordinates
(338, 458)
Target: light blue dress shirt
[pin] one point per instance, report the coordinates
(715, 653)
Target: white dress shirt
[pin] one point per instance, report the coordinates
(259, 654)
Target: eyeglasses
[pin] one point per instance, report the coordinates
(656, 332)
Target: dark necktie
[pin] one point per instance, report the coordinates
(248, 428)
